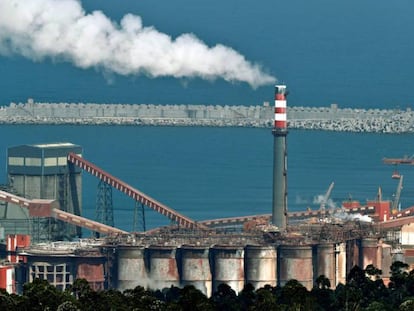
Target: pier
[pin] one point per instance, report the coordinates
(330, 118)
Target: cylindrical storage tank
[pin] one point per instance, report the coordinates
(295, 262)
(260, 263)
(163, 267)
(228, 267)
(380, 256)
(397, 255)
(195, 268)
(340, 264)
(387, 259)
(325, 262)
(368, 252)
(131, 267)
(352, 254)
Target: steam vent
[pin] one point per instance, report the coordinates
(44, 186)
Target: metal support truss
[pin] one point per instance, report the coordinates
(139, 217)
(104, 206)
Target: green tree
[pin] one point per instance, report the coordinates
(265, 299)
(399, 274)
(322, 293)
(111, 300)
(7, 301)
(68, 306)
(296, 297)
(376, 306)
(40, 295)
(410, 284)
(407, 305)
(225, 298)
(347, 298)
(399, 281)
(360, 284)
(81, 290)
(192, 299)
(247, 297)
(139, 299)
(373, 272)
(323, 282)
(172, 294)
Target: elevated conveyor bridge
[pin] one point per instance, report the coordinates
(50, 208)
(134, 193)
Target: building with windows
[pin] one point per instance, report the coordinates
(41, 171)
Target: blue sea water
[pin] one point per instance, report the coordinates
(208, 173)
(356, 54)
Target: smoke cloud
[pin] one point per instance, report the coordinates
(349, 217)
(319, 199)
(62, 30)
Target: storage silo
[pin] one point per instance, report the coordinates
(325, 262)
(260, 263)
(369, 253)
(340, 263)
(295, 263)
(163, 267)
(195, 267)
(228, 267)
(132, 271)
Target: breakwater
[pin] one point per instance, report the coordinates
(330, 118)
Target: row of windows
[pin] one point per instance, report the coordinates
(58, 275)
(24, 161)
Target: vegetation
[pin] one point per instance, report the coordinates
(364, 290)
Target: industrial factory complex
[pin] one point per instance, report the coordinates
(41, 225)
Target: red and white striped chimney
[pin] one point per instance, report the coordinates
(280, 122)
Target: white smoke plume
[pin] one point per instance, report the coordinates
(364, 218)
(347, 216)
(62, 30)
(319, 199)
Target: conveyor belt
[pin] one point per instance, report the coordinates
(47, 208)
(130, 191)
(291, 215)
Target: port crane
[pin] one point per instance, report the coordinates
(396, 200)
(326, 197)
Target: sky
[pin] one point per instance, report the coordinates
(343, 52)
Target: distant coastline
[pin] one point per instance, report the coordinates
(330, 118)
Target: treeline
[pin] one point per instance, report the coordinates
(364, 290)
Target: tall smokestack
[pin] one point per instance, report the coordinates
(279, 211)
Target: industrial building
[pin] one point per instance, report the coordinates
(45, 184)
(42, 172)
